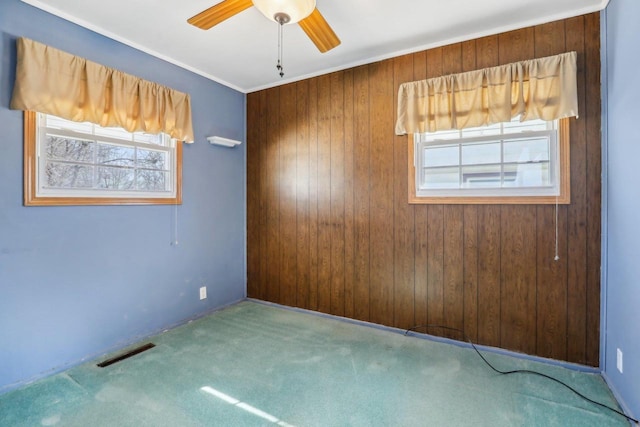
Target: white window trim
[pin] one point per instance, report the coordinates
(560, 193)
(38, 195)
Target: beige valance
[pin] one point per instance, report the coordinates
(54, 82)
(543, 88)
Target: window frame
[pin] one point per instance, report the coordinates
(31, 197)
(563, 168)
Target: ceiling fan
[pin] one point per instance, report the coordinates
(304, 12)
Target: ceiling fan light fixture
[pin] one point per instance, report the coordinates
(295, 9)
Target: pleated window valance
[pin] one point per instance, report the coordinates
(543, 88)
(55, 82)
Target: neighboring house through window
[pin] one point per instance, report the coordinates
(511, 162)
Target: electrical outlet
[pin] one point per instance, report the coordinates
(203, 292)
(619, 360)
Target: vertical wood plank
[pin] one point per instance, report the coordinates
(302, 194)
(487, 52)
(452, 59)
(435, 231)
(577, 211)
(453, 268)
(435, 267)
(518, 234)
(324, 194)
(434, 66)
(337, 194)
(253, 198)
(263, 186)
(489, 273)
(551, 287)
(470, 232)
(518, 278)
(453, 230)
(349, 205)
(516, 45)
(420, 215)
(362, 223)
(273, 196)
(551, 274)
(422, 268)
(381, 185)
(470, 272)
(288, 188)
(403, 220)
(549, 39)
(468, 56)
(313, 194)
(489, 243)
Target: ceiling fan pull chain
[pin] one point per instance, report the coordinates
(281, 19)
(280, 65)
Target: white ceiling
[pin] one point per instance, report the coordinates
(241, 52)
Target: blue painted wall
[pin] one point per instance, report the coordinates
(622, 272)
(78, 281)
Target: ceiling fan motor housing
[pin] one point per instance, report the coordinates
(282, 18)
(277, 10)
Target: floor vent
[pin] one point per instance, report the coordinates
(126, 355)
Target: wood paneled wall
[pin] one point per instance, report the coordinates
(330, 229)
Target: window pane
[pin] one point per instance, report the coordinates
(442, 135)
(517, 126)
(527, 175)
(64, 175)
(116, 155)
(441, 155)
(150, 180)
(482, 176)
(481, 131)
(526, 150)
(149, 138)
(481, 153)
(113, 133)
(151, 159)
(441, 178)
(116, 178)
(73, 150)
(58, 123)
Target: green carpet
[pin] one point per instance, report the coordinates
(253, 364)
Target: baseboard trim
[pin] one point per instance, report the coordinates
(488, 349)
(618, 396)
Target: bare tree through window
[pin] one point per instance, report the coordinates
(107, 159)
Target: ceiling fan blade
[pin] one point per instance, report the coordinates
(319, 31)
(218, 13)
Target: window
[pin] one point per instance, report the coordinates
(71, 163)
(507, 163)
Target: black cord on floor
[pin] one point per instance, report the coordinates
(522, 371)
